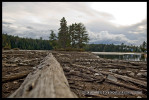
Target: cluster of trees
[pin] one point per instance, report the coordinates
(69, 37)
(9, 41)
(112, 48)
(72, 36)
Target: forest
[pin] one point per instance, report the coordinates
(11, 42)
(112, 48)
(72, 37)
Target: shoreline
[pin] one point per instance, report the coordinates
(117, 53)
(83, 70)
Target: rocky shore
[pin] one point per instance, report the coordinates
(87, 74)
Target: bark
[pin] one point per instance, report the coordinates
(47, 81)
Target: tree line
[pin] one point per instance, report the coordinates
(70, 37)
(10, 42)
(116, 48)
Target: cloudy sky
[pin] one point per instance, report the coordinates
(106, 22)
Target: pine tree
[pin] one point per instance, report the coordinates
(72, 35)
(53, 39)
(81, 36)
(52, 36)
(63, 35)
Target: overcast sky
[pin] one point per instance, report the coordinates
(106, 22)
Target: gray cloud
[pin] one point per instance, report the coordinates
(29, 27)
(37, 19)
(7, 23)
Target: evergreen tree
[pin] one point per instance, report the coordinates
(53, 39)
(24, 43)
(63, 35)
(81, 36)
(72, 35)
(52, 36)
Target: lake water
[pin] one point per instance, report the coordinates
(122, 56)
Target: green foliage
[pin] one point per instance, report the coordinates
(25, 43)
(73, 36)
(111, 48)
(63, 35)
(77, 35)
(52, 36)
(53, 40)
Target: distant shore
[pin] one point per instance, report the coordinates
(117, 53)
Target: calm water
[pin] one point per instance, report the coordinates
(122, 56)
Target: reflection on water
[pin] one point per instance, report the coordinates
(129, 57)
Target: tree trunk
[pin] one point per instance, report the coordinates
(48, 81)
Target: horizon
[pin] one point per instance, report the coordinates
(87, 43)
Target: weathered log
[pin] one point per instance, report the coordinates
(126, 78)
(111, 65)
(15, 76)
(47, 81)
(123, 85)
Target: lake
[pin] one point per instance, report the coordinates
(122, 56)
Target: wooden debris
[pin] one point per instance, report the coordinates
(14, 77)
(126, 78)
(48, 82)
(123, 85)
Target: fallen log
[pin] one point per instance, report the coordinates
(14, 77)
(126, 78)
(47, 81)
(111, 65)
(124, 85)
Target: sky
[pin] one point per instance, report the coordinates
(105, 22)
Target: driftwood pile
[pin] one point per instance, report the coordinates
(47, 81)
(16, 65)
(84, 72)
(87, 72)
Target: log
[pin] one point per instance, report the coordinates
(126, 78)
(123, 85)
(47, 81)
(126, 86)
(14, 77)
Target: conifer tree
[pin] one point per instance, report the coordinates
(53, 39)
(63, 35)
(81, 36)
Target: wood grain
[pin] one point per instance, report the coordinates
(47, 81)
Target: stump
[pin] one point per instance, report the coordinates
(47, 81)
